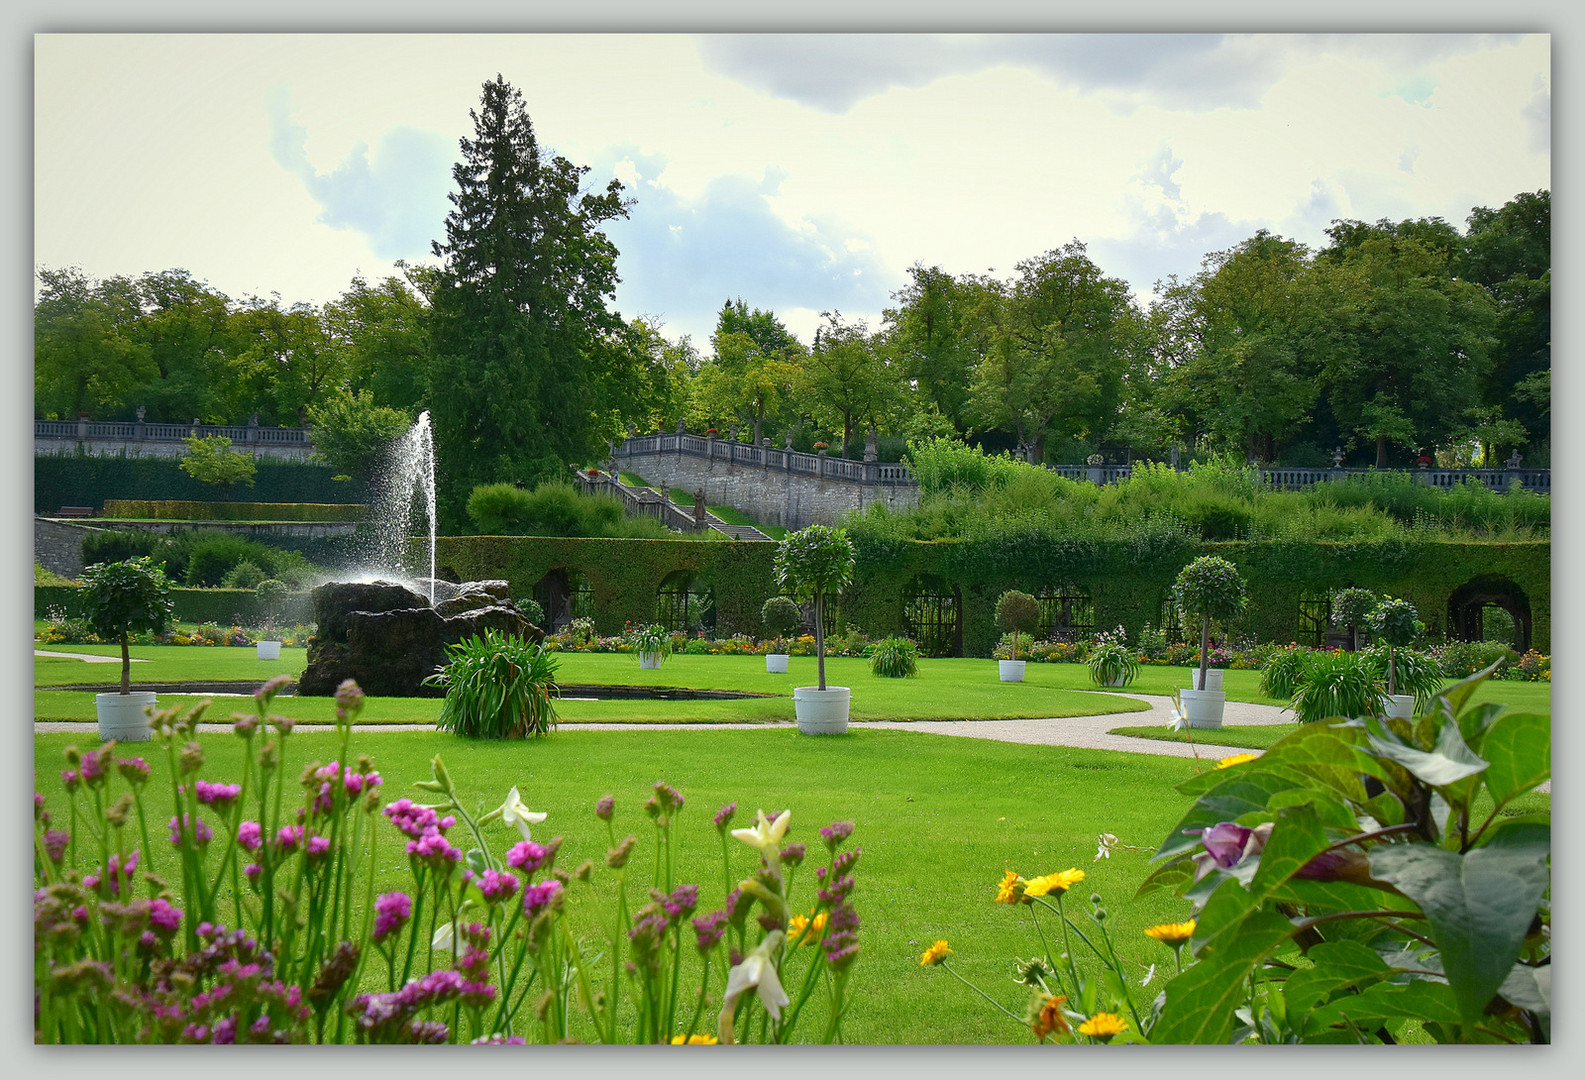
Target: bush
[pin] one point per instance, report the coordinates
(1349, 609)
(531, 609)
(1283, 671)
(554, 508)
(1209, 587)
(1461, 659)
(1418, 673)
(497, 687)
(244, 575)
(895, 658)
(1009, 643)
(1339, 683)
(781, 616)
(654, 640)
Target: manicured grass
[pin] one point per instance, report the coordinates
(944, 689)
(938, 820)
(166, 663)
(1255, 736)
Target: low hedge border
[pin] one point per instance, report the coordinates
(226, 606)
(190, 510)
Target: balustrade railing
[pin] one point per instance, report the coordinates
(138, 431)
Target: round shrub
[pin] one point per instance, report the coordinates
(781, 616)
(1349, 608)
(1017, 612)
(532, 610)
(1394, 622)
(813, 563)
(895, 658)
(1211, 588)
(244, 575)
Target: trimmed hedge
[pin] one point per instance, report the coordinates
(89, 480)
(225, 606)
(187, 510)
(1127, 582)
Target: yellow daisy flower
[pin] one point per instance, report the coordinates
(1050, 1018)
(1235, 759)
(799, 923)
(1103, 1026)
(1172, 933)
(934, 955)
(1050, 883)
(694, 1040)
(1011, 890)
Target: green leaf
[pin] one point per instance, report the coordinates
(1200, 1002)
(1387, 1003)
(1297, 838)
(1338, 965)
(1479, 904)
(1449, 761)
(1459, 693)
(1530, 988)
(1519, 748)
(1168, 876)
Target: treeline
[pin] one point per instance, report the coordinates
(1394, 341)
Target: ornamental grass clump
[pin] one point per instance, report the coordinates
(498, 686)
(262, 924)
(895, 658)
(1338, 684)
(1321, 909)
(812, 564)
(652, 640)
(1017, 613)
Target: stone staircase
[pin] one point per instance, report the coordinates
(736, 532)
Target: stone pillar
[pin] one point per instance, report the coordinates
(871, 452)
(698, 510)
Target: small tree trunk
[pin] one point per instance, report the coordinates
(126, 666)
(1205, 649)
(1392, 670)
(820, 638)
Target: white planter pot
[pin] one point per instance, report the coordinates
(121, 716)
(649, 660)
(1203, 708)
(1121, 680)
(1399, 705)
(776, 663)
(1011, 670)
(822, 712)
(269, 650)
(1213, 679)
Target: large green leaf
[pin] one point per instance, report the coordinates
(1167, 876)
(1530, 988)
(1236, 796)
(1519, 748)
(1200, 1003)
(1479, 904)
(1387, 1003)
(1447, 762)
(1297, 838)
(1337, 964)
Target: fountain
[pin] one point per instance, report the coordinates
(382, 631)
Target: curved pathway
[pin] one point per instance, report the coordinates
(1088, 732)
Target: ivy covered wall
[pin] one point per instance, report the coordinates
(1127, 581)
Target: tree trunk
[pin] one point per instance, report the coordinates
(1392, 670)
(1381, 452)
(1205, 649)
(126, 666)
(820, 638)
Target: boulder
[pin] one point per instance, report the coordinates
(387, 638)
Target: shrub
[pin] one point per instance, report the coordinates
(1283, 671)
(554, 508)
(1394, 622)
(531, 609)
(1418, 673)
(497, 687)
(781, 616)
(652, 640)
(1339, 684)
(894, 657)
(582, 630)
(1460, 659)
(210, 460)
(1112, 664)
(244, 575)
(123, 598)
(1017, 611)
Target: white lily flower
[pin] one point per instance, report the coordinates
(445, 938)
(756, 972)
(514, 813)
(1106, 842)
(765, 835)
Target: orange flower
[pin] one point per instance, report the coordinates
(934, 955)
(1235, 759)
(1050, 883)
(1050, 1018)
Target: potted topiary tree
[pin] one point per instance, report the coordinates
(781, 616)
(1016, 613)
(121, 599)
(812, 564)
(272, 603)
(1349, 608)
(1211, 588)
(1396, 623)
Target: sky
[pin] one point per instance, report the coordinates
(802, 173)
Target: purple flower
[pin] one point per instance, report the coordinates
(70, 779)
(537, 897)
(391, 912)
(497, 886)
(605, 808)
(349, 700)
(164, 918)
(792, 854)
(201, 832)
(273, 686)
(318, 846)
(410, 817)
(250, 835)
(217, 795)
(1227, 844)
(93, 765)
(680, 904)
(287, 839)
(55, 841)
(526, 855)
(134, 770)
(836, 832)
(709, 929)
(252, 871)
(434, 847)
(245, 726)
(723, 816)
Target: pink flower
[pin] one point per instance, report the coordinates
(201, 832)
(391, 912)
(526, 855)
(250, 835)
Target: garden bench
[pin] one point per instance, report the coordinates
(75, 511)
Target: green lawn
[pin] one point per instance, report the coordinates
(1254, 736)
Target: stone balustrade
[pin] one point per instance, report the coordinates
(135, 438)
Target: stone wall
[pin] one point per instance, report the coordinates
(58, 545)
(769, 495)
